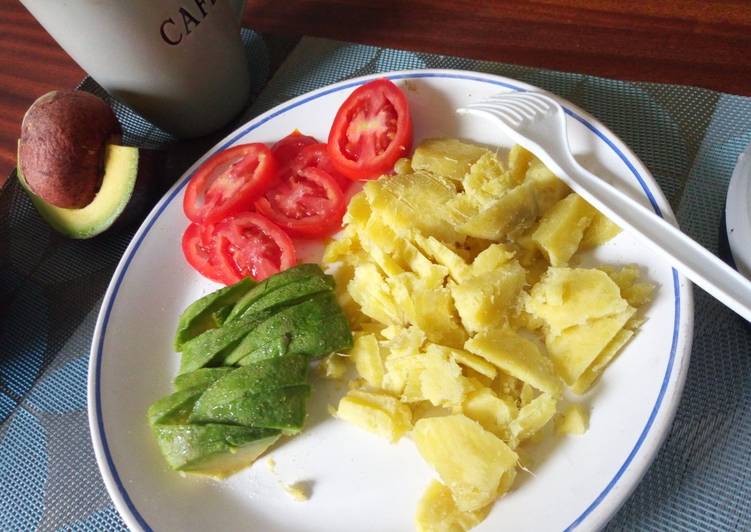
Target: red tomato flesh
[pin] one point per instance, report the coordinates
(316, 156)
(229, 182)
(249, 244)
(287, 149)
(308, 204)
(371, 130)
(200, 254)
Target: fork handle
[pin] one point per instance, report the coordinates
(686, 255)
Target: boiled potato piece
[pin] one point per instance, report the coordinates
(566, 297)
(532, 417)
(492, 412)
(576, 348)
(518, 162)
(469, 459)
(441, 380)
(487, 180)
(516, 356)
(450, 158)
(560, 231)
(606, 356)
(368, 289)
(574, 420)
(487, 300)
(408, 203)
(598, 232)
(378, 413)
(465, 358)
(366, 354)
(437, 512)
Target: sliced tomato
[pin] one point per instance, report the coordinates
(371, 130)
(229, 182)
(287, 149)
(249, 244)
(307, 204)
(315, 156)
(198, 249)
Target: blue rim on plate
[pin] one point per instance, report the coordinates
(104, 315)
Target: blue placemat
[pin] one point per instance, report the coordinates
(50, 289)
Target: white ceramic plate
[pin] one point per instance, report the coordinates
(360, 482)
(738, 213)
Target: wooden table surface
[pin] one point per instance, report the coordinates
(696, 42)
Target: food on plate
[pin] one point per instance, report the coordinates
(228, 182)
(243, 382)
(309, 203)
(293, 189)
(473, 315)
(371, 130)
(70, 162)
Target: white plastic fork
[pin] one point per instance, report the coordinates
(538, 123)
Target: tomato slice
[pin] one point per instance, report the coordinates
(198, 249)
(307, 204)
(229, 182)
(287, 149)
(316, 156)
(371, 130)
(251, 244)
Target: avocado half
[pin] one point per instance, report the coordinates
(118, 183)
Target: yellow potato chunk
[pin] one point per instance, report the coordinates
(492, 412)
(560, 231)
(532, 417)
(441, 380)
(485, 301)
(566, 297)
(548, 189)
(486, 180)
(435, 314)
(491, 258)
(358, 211)
(514, 211)
(437, 512)
(636, 292)
(469, 459)
(366, 355)
(516, 356)
(333, 366)
(518, 162)
(451, 158)
(466, 359)
(403, 166)
(458, 269)
(595, 369)
(600, 230)
(378, 413)
(409, 203)
(574, 420)
(573, 350)
(369, 290)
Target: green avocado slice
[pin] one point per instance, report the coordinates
(282, 408)
(201, 377)
(281, 279)
(118, 183)
(214, 450)
(315, 327)
(263, 376)
(207, 312)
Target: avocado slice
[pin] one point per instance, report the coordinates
(210, 311)
(282, 408)
(215, 450)
(176, 407)
(201, 377)
(281, 279)
(268, 374)
(278, 347)
(287, 295)
(118, 183)
(315, 327)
